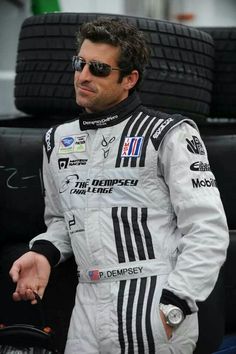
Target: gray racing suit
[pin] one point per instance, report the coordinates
(131, 194)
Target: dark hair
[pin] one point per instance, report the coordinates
(134, 52)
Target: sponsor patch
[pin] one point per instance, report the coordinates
(163, 127)
(94, 274)
(65, 162)
(68, 141)
(199, 183)
(49, 142)
(159, 130)
(74, 185)
(97, 123)
(105, 145)
(195, 146)
(69, 182)
(72, 143)
(200, 166)
(72, 222)
(132, 147)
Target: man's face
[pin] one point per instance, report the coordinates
(95, 93)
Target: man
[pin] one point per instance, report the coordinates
(130, 193)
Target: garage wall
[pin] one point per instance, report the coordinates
(106, 6)
(205, 12)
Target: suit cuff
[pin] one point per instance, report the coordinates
(168, 297)
(47, 249)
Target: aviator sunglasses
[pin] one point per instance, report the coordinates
(95, 67)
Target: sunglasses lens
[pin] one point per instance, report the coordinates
(99, 69)
(96, 68)
(78, 64)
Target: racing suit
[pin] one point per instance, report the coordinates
(131, 194)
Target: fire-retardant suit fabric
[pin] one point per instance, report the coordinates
(131, 194)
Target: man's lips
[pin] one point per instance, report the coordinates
(85, 89)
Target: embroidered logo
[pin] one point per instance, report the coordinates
(73, 143)
(94, 274)
(132, 147)
(49, 142)
(195, 146)
(105, 144)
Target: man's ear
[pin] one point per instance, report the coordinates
(131, 79)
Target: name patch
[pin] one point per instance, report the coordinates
(96, 275)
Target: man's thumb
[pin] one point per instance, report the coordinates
(14, 273)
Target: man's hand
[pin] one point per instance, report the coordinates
(31, 273)
(168, 328)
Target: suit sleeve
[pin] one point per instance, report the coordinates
(55, 242)
(200, 217)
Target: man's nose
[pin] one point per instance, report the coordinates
(85, 74)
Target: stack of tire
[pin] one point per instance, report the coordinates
(221, 142)
(183, 76)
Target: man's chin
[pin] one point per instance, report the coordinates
(81, 102)
(84, 105)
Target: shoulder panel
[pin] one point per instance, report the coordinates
(49, 141)
(167, 124)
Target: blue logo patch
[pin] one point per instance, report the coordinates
(67, 141)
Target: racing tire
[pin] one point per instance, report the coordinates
(211, 319)
(224, 84)
(230, 285)
(21, 202)
(58, 299)
(222, 154)
(178, 78)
